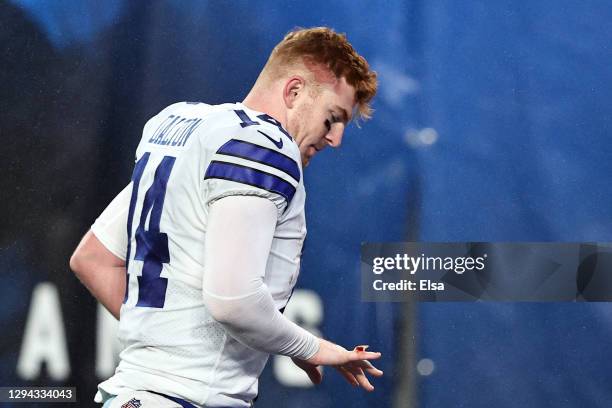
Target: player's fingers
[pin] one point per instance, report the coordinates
(364, 355)
(369, 368)
(348, 376)
(313, 372)
(363, 380)
(366, 364)
(374, 371)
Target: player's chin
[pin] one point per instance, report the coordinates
(310, 153)
(306, 160)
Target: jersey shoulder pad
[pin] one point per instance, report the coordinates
(259, 157)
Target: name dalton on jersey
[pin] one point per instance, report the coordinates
(174, 131)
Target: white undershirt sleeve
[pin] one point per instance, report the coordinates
(238, 241)
(110, 227)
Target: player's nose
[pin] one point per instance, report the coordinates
(334, 136)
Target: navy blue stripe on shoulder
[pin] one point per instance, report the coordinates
(263, 155)
(250, 176)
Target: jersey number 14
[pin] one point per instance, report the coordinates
(151, 243)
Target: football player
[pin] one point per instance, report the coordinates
(210, 231)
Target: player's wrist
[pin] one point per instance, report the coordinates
(328, 354)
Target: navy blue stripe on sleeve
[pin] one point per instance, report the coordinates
(263, 155)
(250, 176)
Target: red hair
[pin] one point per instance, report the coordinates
(322, 46)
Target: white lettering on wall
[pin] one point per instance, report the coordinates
(306, 309)
(44, 340)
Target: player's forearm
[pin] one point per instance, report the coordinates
(238, 243)
(254, 321)
(102, 273)
(106, 284)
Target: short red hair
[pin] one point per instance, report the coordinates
(322, 45)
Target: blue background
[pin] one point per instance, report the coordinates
(492, 123)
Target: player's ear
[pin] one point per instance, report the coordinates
(294, 88)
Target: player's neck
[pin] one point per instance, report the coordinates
(266, 103)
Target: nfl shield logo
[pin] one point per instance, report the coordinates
(133, 403)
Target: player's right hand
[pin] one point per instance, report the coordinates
(352, 365)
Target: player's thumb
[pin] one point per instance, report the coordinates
(315, 374)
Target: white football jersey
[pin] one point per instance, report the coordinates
(191, 154)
